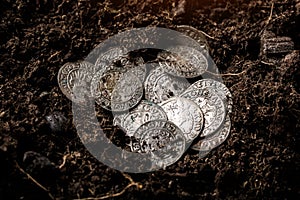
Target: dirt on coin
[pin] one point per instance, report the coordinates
(260, 158)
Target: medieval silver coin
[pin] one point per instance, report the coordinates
(219, 88)
(163, 139)
(127, 93)
(160, 86)
(144, 112)
(185, 114)
(213, 141)
(74, 80)
(195, 34)
(212, 106)
(184, 61)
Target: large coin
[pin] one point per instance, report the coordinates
(127, 93)
(184, 61)
(144, 112)
(163, 139)
(185, 114)
(219, 88)
(160, 86)
(212, 106)
(194, 34)
(74, 80)
(213, 141)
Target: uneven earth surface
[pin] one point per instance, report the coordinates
(260, 158)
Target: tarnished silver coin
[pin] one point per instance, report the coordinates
(213, 141)
(184, 61)
(160, 86)
(195, 34)
(163, 139)
(144, 112)
(219, 88)
(102, 87)
(185, 114)
(74, 80)
(110, 56)
(212, 106)
(127, 93)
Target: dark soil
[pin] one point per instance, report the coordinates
(259, 160)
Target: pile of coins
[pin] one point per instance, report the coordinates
(163, 106)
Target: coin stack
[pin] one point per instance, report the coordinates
(163, 106)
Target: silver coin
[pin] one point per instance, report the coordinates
(185, 114)
(74, 80)
(219, 88)
(163, 139)
(144, 112)
(102, 87)
(184, 61)
(195, 34)
(213, 141)
(212, 106)
(127, 93)
(160, 86)
(110, 56)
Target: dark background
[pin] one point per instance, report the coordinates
(260, 159)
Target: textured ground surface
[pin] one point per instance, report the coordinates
(259, 159)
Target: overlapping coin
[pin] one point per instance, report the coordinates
(186, 115)
(160, 86)
(212, 106)
(144, 112)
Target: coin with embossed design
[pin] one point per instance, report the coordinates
(183, 61)
(144, 112)
(163, 139)
(160, 86)
(219, 88)
(213, 141)
(186, 114)
(212, 106)
(74, 80)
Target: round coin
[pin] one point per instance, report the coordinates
(160, 86)
(184, 61)
(74, 80)
(163, 139)
(127, 92)
(212, 106)
(219, 88)
(213, 141)
(185, 114)
(144, 112)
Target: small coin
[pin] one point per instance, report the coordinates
(74, 80)
(219, 88)
(185, 114)
(110, 56)
(213, 141)
(163, 139)
(212, 106)
(184, 61)
(144, 112)
(127, 93)
(160, 86)
(195, 34)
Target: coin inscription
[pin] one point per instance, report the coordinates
(212, 106)
(186, 115)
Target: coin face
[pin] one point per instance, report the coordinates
(74, 80)
(144, 112)
(163, 139)
(127, 92)
(160, 86)
(184, 61)
(195, 34)
(212, 106)
(213, 141)
(219, 88)
(185, 114)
